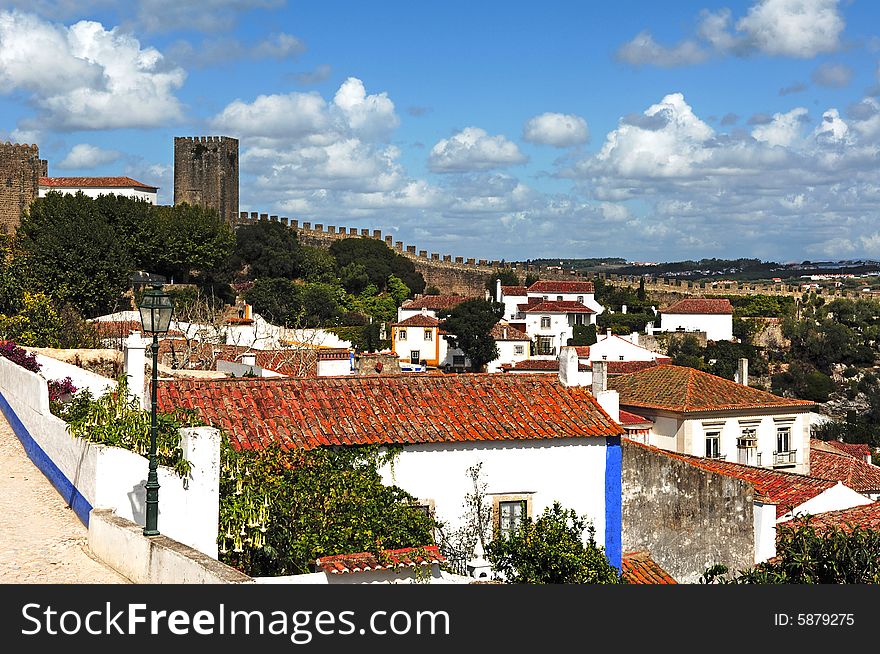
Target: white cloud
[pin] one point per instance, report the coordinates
(290, 116)
(832, 128)
(558, 130)
(86, 77)
(217, 50)
(643, 49)
(84, 155)
(793, 28)
(371, 115)
(204, 15)
(473, 149)
(783, 130)
(832, 75)
(787, 28)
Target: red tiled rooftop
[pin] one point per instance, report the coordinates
(852, 471)
(853, 449)
(626, 367)
(551, 286)
(435, 302)
(627, 418)
(366, 561)
(417, 320)
(503, 331)
(686, 390)
(583, 351)
(550, 365)
(555, 306)
(700, 306)
(94, 182)
(640, 568)
(866, 516)
(515, 291)
(310, 412)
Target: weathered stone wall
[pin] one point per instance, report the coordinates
(20, 172)
(687, 518)
(660, 341)
(206, 173)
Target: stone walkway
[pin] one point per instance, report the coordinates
(41, 539)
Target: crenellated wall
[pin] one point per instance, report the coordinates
(467, 276)
(20, 172)
(206, 173)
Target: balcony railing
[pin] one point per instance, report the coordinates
(785, 458)
(718, 456)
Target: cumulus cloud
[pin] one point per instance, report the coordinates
(784, 129)
(832, 75)
(85, 76)
(729, 119)
(316, 76)
(218, 50)
(786, 28)
(473, 149)
(84, 155)
(203, 15)
(797, 87)
(558, 130)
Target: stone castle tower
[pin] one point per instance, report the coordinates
(206, 173)
(20, 172)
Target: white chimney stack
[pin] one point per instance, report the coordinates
(742, 372)
(569, 373)
(498, 290)
(249, 359)
(608, 400)
(134, 360)
(600, 377)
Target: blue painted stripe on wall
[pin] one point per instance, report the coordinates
(613, 501)
(75, 500)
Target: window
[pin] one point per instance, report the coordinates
(544, 345)
(545, 322)
(559, 298)
(621, 358)
(429, 334)
(713, 445)
(581, 299)
(458, 360)
(510, 511)
(783, 439)
(519, 349)
(414, 356)
(401, 334)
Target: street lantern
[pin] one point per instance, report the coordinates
(156, 309)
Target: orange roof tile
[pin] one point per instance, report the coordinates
(551, 286)
(366, 561)
(627, 418)
(555, 306)
(700, 306)
(504, 331)
(866, 516)
(686, 390)
(417, 320)
(435, 302)
(853, 449)
(515, 291)
(309, 412)
(94, 182)
(853, 472)
(640, 568)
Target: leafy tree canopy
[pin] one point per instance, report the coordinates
(507, 277)
(551, 550)
(364, 261)
(469, 325)
(269, 249)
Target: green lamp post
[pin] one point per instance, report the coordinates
(156, 309)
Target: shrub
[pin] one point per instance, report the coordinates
(19, 356)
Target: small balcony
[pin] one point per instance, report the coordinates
(785, 459)
(717, 456)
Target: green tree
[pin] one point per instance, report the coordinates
(469, 325)
(72, 254)
(268, 249)
(194, 239)
(807, 555)
(377, 261)
(803, 381)
(686, 351)
(551, 550)
(136, 226)
(507, 277)
(291, 304)
(583, 335)
(279, 511)
(531, 278)
(38, 324)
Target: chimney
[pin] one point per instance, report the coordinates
(569, 375)
(742, 372)
(249, 359)
(134, 359)
(623, 308)
(424, 311)
(608, 333)
(504, 333)
(608, 400)
(498, 290)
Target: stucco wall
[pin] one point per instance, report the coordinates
(717, 327)
(689, 519)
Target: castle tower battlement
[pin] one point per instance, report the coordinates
(206, 173)
(20, 172)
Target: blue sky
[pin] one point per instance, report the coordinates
(650, 131)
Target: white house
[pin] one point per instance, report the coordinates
(562, 291)
(513, 345)
(713, 316)
(703, 415)
(430, 304)
(529, 438)
(551, 323)
(95, 186)
(613, 347)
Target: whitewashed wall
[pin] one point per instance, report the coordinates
(718, 327)
(334, 367)
(507, 354)
(559, 330)
(93, 192)
(836, 498)
(570, 470)
(765, 531)
(90, 475)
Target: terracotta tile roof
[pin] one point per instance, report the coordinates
(310, 412)
(516, 291)
(627, 418)
(407, 557)
(550, 286)
(853, 472)
(301, 362)
(550, 365)
(640, 568)
(700, 306)
(686, 390)
(504, 331)
(94, 182)
(853, 449)
(626, 367)
(435, 302)
(787, 490)
(555, 306)
(116, 328)
(518, 325)
(583, 351)
(417, 320)
(866, 516)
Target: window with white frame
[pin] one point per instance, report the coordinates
(429, 334)
(401, 334)
(783, 438)
(713, 445)
(519, 349)
(581, 299)
(545, 322)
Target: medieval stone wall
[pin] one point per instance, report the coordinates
(20, 172)
(206, 173)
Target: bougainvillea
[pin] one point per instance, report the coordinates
(60, 388)
(19, 356)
